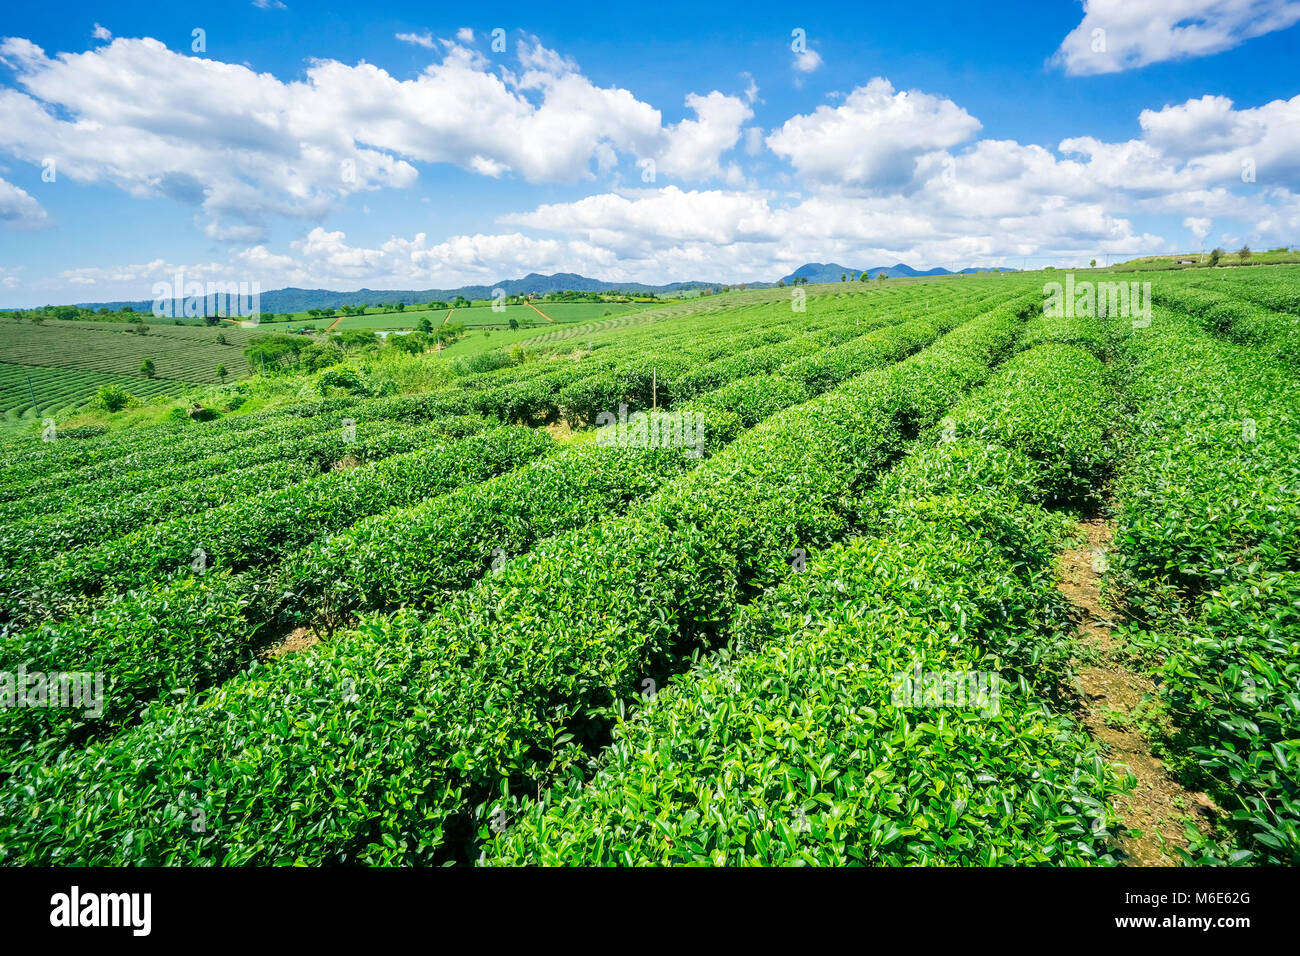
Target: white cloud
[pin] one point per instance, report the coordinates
(245, 146)
(1198, 227)
(269, 5)
(874, 139)
(18, 210)
(418, 39)
(1202, 144)
(1118, 35)
(806, 61)
(465, 35)
(694, 146)
(101, 33)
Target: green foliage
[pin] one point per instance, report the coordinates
(1208, 533)
(111, 398)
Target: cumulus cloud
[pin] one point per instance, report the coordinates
(877, 176)
(1118, 35)
(874, 138)
(694, 146)
(245, 146)
(806, 61)
(1202, 144)
(101, 33)
(18, 210)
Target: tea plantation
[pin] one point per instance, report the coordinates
(464, 626)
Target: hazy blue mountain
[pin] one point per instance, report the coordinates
(299, 300)
(831, 272)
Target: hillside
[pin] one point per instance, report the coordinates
(865, 546)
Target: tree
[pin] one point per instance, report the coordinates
(843, 277)
(273, 349)
(414, 344)
(211, 320)
(1093, 264)
(221, 372)
(864, 277)
(221, 338)
(400, 307)
(425, 325)
(358, 337)
(319, 356)
(1215, 255)
(780, 283)
(1243, 253)
(514, 323)
(112, 398)
(147, 368)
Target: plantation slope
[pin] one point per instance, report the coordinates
(417, 721)
(796, 747)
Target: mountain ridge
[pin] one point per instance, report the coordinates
(294, 299)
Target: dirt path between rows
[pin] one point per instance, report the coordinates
(539, 312)
(1158, 808)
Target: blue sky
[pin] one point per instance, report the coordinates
(391, 146)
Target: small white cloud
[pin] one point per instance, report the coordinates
(465, 35)
(101, 33)
(807, 61)
(1199, 227)
(1118, 35)
(418, 39)
(751, 88)
(269, 5)
(18, 209)
(537, 58)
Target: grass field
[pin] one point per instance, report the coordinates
(919, 574)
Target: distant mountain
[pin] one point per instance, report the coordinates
(831, 272)
(299, 300)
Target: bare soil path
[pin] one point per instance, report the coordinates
(1113, 697)
(539, 312)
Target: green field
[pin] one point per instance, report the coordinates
(29, 392)
(69, 361)
(853, 593)
(480, 316)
